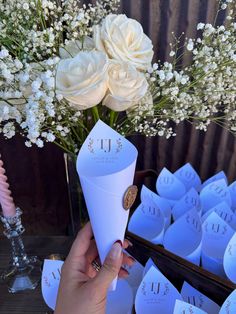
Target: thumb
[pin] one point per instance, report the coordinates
(111, 267)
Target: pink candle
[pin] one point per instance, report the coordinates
(6, 200)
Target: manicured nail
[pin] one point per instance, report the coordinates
(120, 242)
(116, 250)
(130, 243)
(132, 259)
(125, 271)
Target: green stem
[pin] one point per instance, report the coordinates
(64, 148)
(113, 116)
(95, 113)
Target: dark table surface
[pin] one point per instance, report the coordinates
(29, 302)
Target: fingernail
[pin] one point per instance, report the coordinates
(120, 242)
(126, 271)
(132, 259)
(116, 250)
(130, 243)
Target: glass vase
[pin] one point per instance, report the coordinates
(78, 210)
(24, 272)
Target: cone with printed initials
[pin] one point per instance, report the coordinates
(106, 165)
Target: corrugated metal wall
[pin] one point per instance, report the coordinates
(208, 152)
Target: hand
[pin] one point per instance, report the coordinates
(82, 289)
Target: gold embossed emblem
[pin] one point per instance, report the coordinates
(130, 197)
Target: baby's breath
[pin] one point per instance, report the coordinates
(201, 93)
(31, 35)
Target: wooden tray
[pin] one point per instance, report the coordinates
(178, 270)
(175, 268)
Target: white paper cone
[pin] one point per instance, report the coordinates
(230, 259)
(182, 307)
(196, 298)
(215, 193)
(135, 274)
(223, 210)
(156, 294)
(216, 235)
(164, 206)
(50, 281)
(195, 257)
(189, 177)
(213, 265)
(184, 237)
(148, 265)
(169, 186)
(106, 166)
(232, 190)
(120, 301)
(229, 306)
(190, 200)
(148, 222)
(218, 176)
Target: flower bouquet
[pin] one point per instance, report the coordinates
(64, 65)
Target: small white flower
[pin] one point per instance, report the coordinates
(221, 28)
(200, 26)
(234, 57)
(39, 143)
(155, 66)
(24, 77)
(4, 53)
(224, 6)
(161, 74)
(59, 128)
(80, 16)
(51, 137)
(36, 85)
(172, 53)
(5, 110)
(28, 144)
(209, 29)
(190, 45)
(25, 6)
(169, 76)
(183, 81)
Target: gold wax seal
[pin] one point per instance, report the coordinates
(130, 197)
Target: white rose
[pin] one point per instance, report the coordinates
(123, 39)
(82, 80)
(126, 86)
(72, 48)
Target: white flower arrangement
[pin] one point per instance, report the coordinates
(62, 67)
